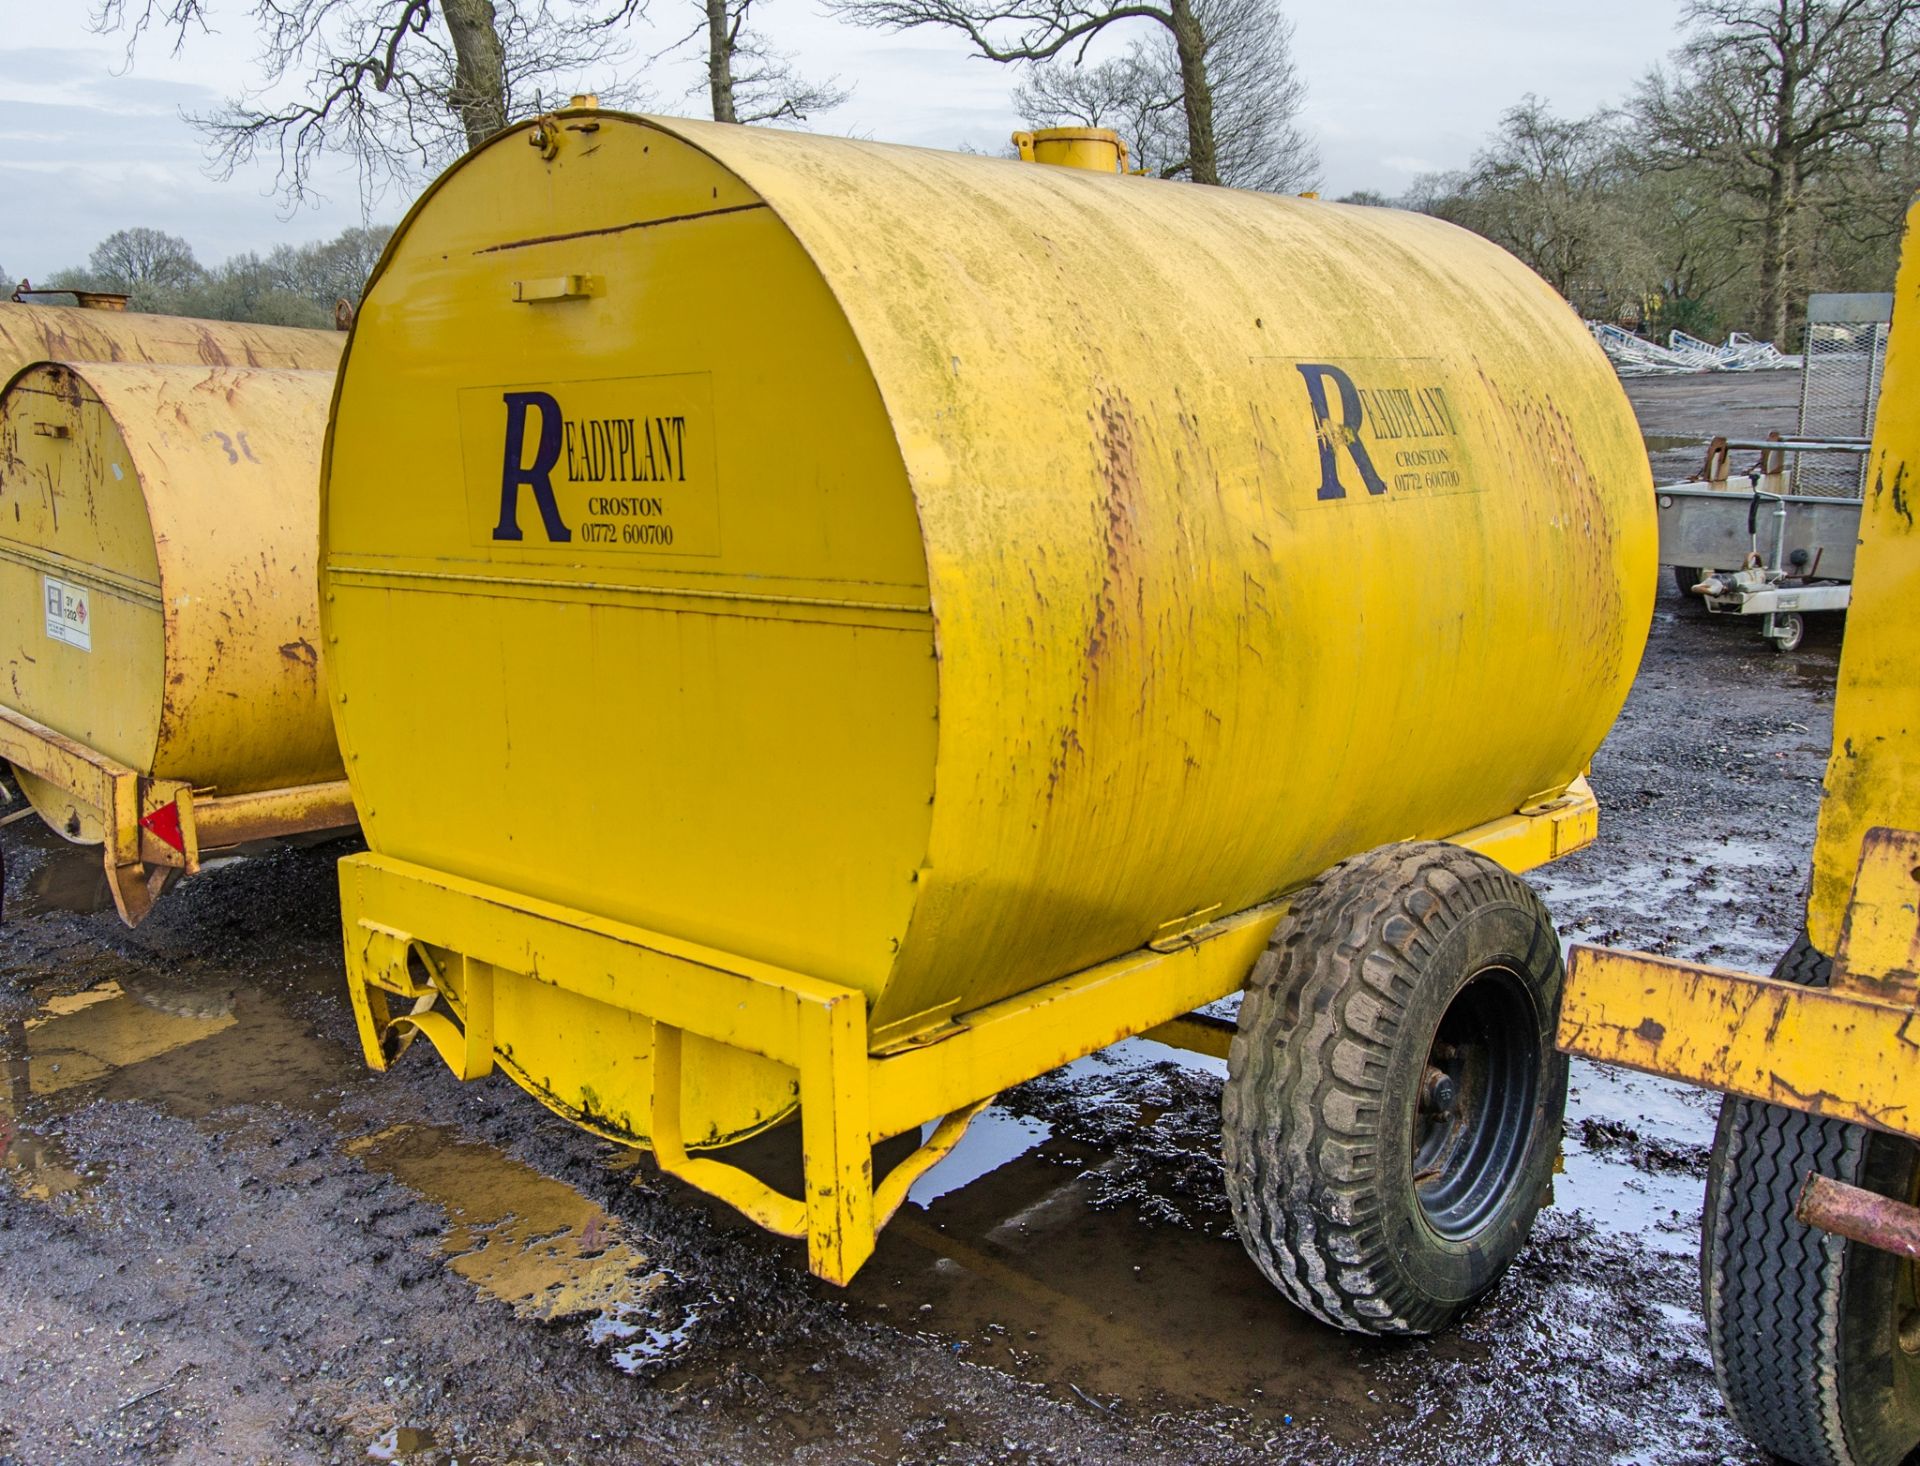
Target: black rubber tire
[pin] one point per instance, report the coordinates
(1805, 1326)
(1789, 630)
(1323, 1105)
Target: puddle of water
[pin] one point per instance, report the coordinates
(644, 1347)
(72, 1041)
(1659, 1211)
(993, 1139)
(399, 1442)
(82, 1039)
(38, 1168)
(1667, 1127)
(1658, 1109)
(532, 1242)
(61, 876)
(1018, 1272)
(1700, 901)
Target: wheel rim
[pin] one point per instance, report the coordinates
(1474, 1114)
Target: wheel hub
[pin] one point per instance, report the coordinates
(1477, 1103)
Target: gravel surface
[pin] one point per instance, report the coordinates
(224, 1240)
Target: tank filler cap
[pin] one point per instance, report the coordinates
(1095, 149)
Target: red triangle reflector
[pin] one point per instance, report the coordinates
(165, 823)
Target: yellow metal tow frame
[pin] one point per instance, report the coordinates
(397, 915)
(1850, 1050)
(137, 855)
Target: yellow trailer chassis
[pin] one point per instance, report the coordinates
(850, 1098)
(1849, 1051)
(155, 827)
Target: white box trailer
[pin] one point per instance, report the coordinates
(1774, 536)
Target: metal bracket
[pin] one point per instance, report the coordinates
(386, 968)
(1879, 948)
(838, 1160)
(140, 855)
(1850, 1050)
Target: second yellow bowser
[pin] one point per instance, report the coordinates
(158, 613)
(30, 333)
(113, 452)
(929, 578)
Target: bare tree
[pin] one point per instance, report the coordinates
(1256, 89)
(1550, 189)
(133, 260)
(749, 81)
(1040, 30)
(334, 270)
(400, 87)
(1776, 101)
(1127, 93)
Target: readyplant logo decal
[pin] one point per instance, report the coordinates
(1379, 434)
(614, 464)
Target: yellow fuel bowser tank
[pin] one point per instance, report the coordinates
(819, 621)
(71, 333)
(158, 616)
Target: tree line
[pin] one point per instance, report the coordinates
(290, 285)
(1772, 152)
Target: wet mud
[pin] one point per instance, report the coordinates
(1679, 416)
(222, 1239)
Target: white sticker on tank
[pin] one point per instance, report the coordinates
(69, 616)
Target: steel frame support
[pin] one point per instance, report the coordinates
(1850, 1050)
(397, 916)
(138, 861)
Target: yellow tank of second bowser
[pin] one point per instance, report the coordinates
(30, 333)
(158, 602)
(936, 574)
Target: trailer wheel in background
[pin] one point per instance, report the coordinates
(1394, 1098)
(1816, 1340)
(1789, 630)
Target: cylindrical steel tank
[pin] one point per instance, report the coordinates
(68, 333)
(938, 574)
(157, 577)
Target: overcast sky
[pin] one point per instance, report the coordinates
(1395, 88)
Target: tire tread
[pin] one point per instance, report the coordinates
(1771, 1283)
(1309, 1060)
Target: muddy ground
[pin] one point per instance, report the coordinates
(222, 1239)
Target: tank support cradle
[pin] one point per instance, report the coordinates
(399, 917)
(153, 827)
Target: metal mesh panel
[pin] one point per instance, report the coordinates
(1839, 386)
